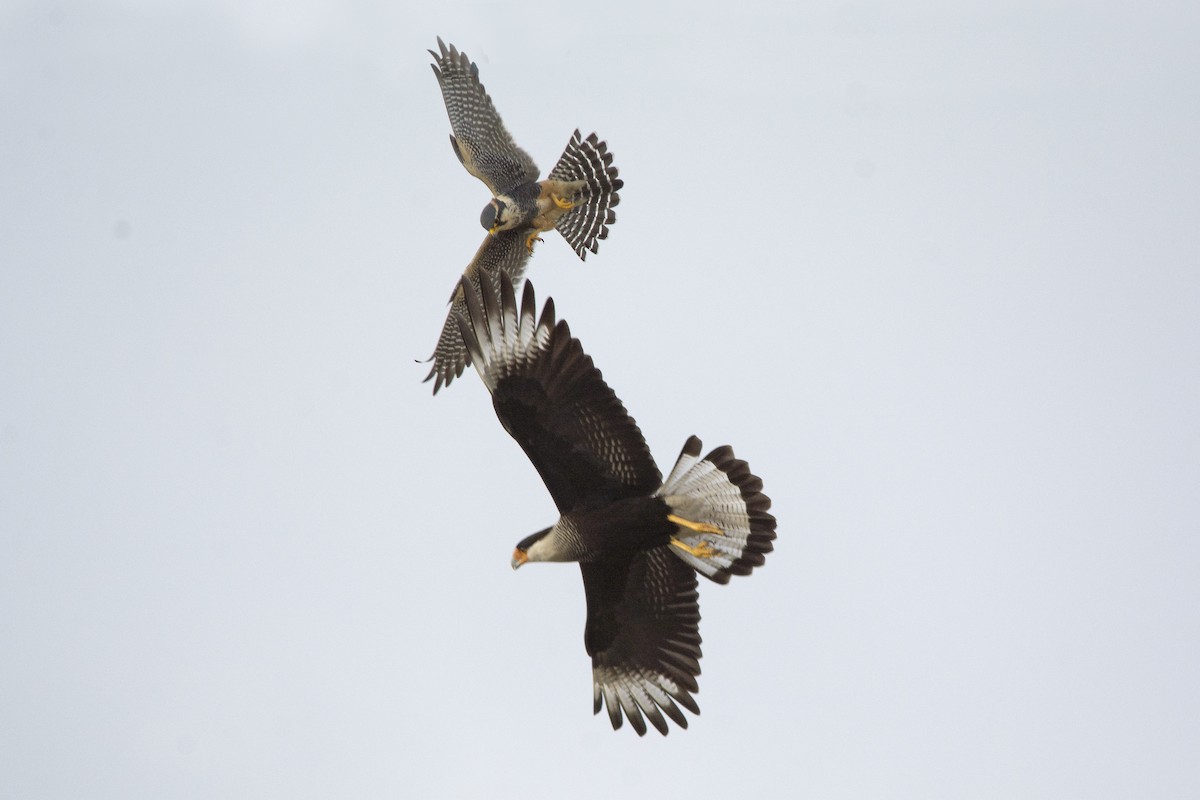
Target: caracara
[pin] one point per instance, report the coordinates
(639, 540)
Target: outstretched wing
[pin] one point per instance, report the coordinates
(552, 399)
(479, 140)
(504, 253)
(643, 634)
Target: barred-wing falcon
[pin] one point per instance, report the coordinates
(577, 197)
(639, 540)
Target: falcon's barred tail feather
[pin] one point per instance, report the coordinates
(718, 491)
(588, 160)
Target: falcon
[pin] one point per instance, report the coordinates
(639, 540)
(577, 197)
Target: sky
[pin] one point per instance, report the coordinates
(930, 267)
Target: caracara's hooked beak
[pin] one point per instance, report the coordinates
(519, 557)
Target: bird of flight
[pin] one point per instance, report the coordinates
(576, 198)
(639, 540)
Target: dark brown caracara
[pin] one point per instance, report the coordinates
(577, 197)
(639, 540)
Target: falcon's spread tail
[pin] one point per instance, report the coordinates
(719, 491)
(588, 160)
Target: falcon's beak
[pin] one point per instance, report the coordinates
(519, 558)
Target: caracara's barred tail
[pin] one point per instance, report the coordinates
(588, 160)
(721, 491)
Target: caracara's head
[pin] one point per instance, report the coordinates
(534, 547)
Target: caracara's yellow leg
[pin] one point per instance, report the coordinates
(701, 550)
(533, 237)
(562, 202)
(698, 527)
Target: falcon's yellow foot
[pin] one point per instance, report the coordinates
(562, 202)
(529, 240)
(698, 527)
(700, 550)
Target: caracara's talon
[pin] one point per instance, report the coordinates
(562, 202)
(698, 527)
(699, 550)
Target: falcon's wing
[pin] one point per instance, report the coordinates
(479, 140)
(552, 399)
(643, 634)
(504, 253)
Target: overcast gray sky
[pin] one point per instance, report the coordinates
(932, 268)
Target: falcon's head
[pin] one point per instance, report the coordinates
(498, 215)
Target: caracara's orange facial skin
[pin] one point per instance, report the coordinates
(519, 558)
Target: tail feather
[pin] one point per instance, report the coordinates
(719, 490)
(588, 160)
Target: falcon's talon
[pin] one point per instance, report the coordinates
(700, 550)
(698, 527)
(562, 202)
(529, 240)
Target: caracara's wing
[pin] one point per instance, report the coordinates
(504, 253)
(643, 620)
(552, 399)
(479, 140)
